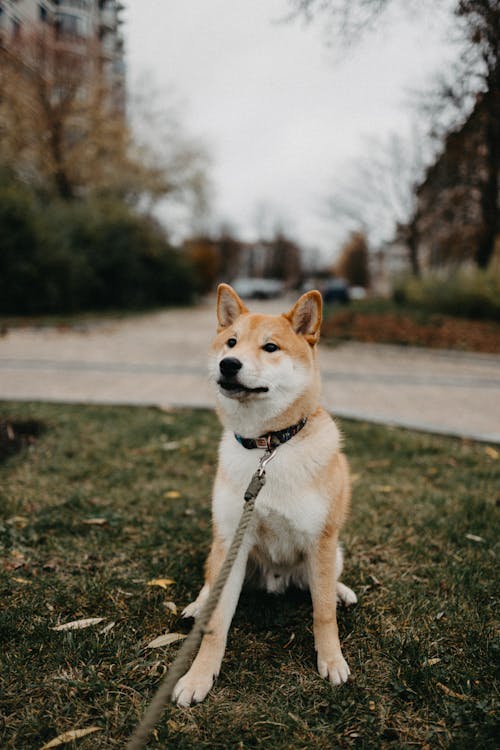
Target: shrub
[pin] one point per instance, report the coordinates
(69, 257)
(466, 293)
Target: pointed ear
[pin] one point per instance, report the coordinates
(305, 316)
(229, 306)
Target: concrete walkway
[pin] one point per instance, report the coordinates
(160, 359)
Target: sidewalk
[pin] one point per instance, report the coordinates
(160, 359)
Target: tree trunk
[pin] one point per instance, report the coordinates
(490, 187)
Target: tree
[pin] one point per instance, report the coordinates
(378, 196)
(353, 261)
(477, 74)
(61, 131)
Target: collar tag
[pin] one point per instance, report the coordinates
(262, 442)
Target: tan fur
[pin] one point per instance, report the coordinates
(301, 509)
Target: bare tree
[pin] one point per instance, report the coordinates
(378, 196)
(476, 75)
(60, 129)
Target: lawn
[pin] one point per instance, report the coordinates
(101, 501)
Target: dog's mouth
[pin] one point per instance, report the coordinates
(235, 389)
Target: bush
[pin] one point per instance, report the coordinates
(467, 294)
(70, 257)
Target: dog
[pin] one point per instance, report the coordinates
(267, 383)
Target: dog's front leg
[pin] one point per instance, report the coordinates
(196, 683)
(322, 582)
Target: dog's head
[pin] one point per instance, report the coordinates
(264, 366)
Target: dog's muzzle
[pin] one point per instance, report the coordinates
(228, 382)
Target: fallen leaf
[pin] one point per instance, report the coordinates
(20, 521)
(385, 488)
(491, 452)
(79, 624)
(172, 494)
(431, 662)
(162, 582)
(165, 640)
(475, 538)
(73, 734)
(451, 693)
(107, 628)
(440, 615)
(289, 641)
(375, 580)
(21, 580)
(171, 446)
(371, 705)
(172, 606)
(95, 521)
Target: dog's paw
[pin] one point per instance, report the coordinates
(192, 688)
(194, 609)
(336, 669)
(345, 595)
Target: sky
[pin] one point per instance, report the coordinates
(281, 112)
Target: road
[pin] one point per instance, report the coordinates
(160, 359)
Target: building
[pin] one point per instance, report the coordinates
(73, 22)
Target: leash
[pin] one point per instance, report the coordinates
(183, 660)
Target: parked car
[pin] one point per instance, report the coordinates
(336, 291)
(258, 288)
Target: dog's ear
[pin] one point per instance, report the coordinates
(229, 306)
(305, 316)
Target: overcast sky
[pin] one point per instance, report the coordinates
(280, 113)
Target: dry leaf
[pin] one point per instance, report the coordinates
(440, 615)
(431, 662)
(475, 538)
(73, 734)
(21, 580)
(172, 606)
(107, 628)
(491, 452)
(79, 624)
(385, 488)
(289, 641)
(371, 705)
(451, 693)
(162, 582)
(171, 446)
(95, 521)
(20, 521)
(172, 494)
(165, 640)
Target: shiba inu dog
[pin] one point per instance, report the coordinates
(268, 390)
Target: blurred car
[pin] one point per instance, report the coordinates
(336, 291)
(258, 288)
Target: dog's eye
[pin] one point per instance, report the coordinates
(231, 342)
(270, 347)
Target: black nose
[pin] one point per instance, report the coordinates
(229, 366)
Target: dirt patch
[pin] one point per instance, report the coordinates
(17, 435)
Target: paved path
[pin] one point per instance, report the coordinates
(160, 359)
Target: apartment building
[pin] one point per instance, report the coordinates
(73, 21)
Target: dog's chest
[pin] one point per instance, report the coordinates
(280, 540)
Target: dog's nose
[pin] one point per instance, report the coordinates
(229, 366)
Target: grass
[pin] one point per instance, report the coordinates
(420, 554)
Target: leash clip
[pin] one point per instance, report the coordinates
(264, 460)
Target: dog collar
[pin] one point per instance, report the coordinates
(271, 439)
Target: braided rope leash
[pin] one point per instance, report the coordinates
(183, 660)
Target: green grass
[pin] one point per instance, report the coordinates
(426, 591)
